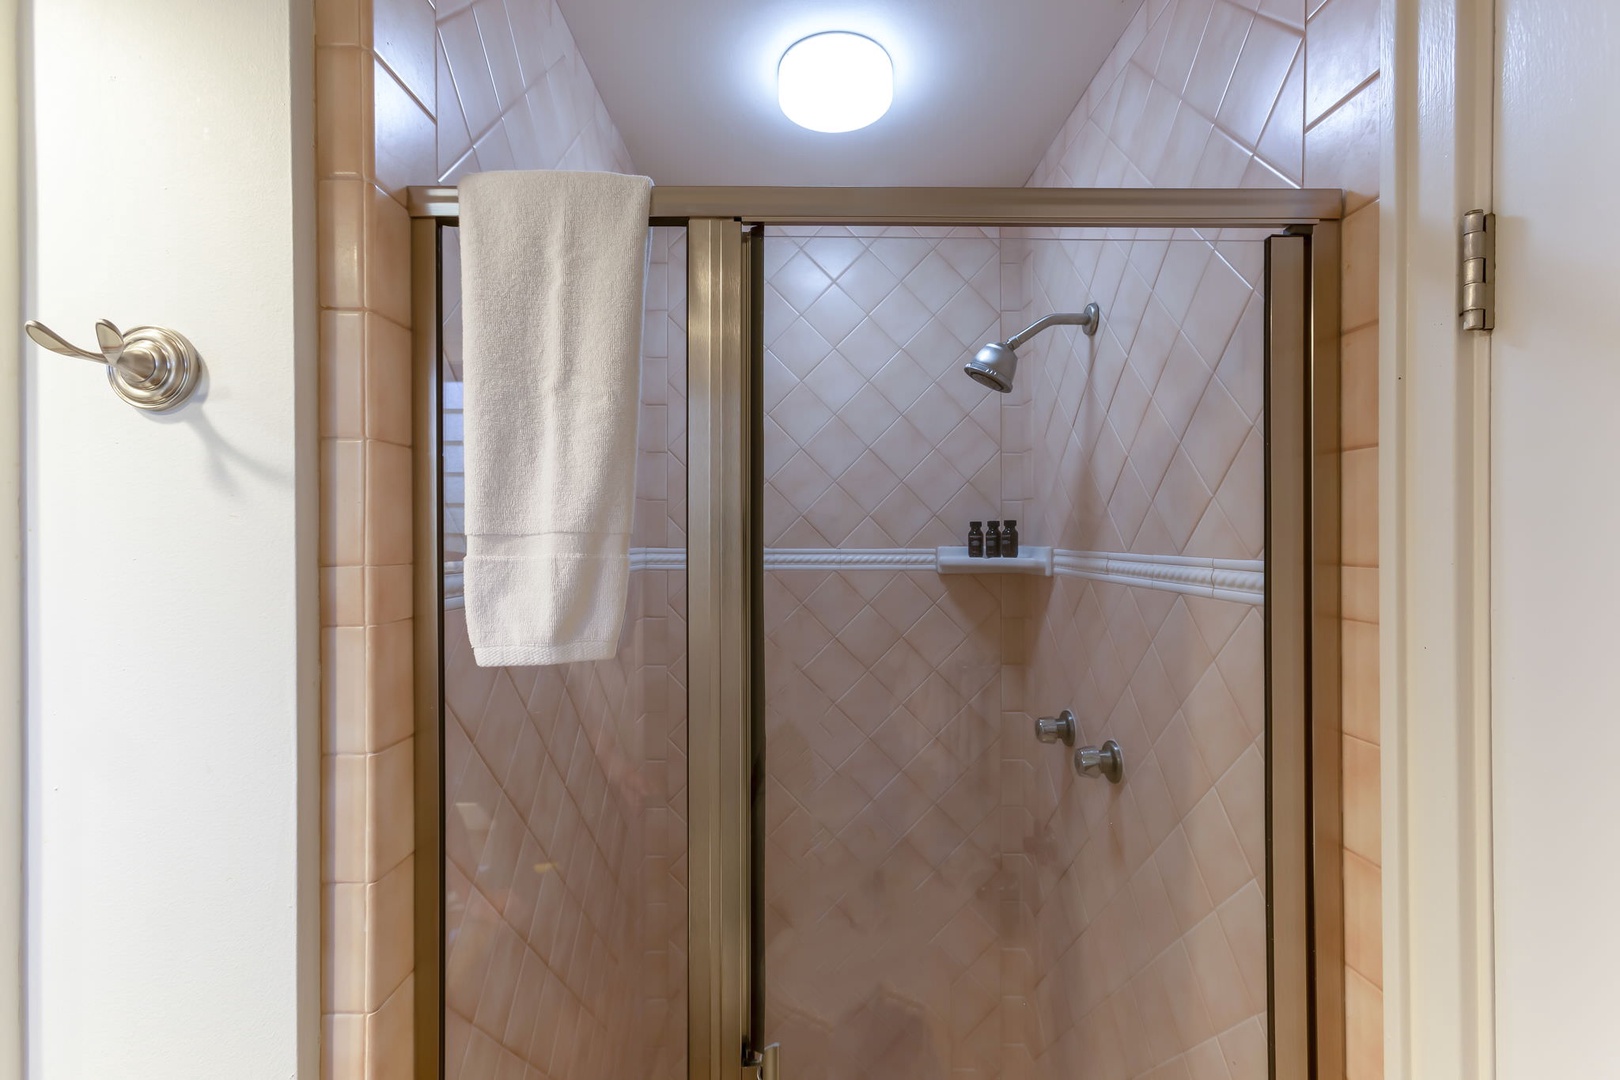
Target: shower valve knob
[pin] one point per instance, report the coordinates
(1059, 728)
(1107, 760)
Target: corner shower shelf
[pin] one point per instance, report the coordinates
(1029, 560)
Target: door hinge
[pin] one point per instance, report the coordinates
(764, 1064)
(1478, 270)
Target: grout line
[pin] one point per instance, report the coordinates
(1337, 105)
(403, 85)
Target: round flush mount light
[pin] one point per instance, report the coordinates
(835, 81)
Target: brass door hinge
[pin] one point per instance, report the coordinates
(1478, 270)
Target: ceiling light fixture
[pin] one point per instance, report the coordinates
(835, 81)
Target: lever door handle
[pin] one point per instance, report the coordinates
(149, 367)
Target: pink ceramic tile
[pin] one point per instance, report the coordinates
(1282, 140)
(343, 369)
(1268, 54)
(405, 136)
(1188, 19)
(1360, 268)
(403, 36)
(1342, 148)
(471, 84)
(1341, 43)
(343, 113)
(1218, 53)
(1361, 799)
(386, 253)
(341, 240)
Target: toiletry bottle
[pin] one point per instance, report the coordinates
(992, 540)
(975, 540)
(1009, 539)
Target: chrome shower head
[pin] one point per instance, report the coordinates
(995, 364)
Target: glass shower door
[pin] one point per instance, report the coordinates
(564, 891)
(830, 823)
(943, 895)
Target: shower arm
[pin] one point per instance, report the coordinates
(1087, 318)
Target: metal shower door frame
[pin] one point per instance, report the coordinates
(724, 557)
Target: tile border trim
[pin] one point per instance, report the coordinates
(1241, 581)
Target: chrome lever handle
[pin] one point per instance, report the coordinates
(1059, 728)
(149, 367)
(47, 338)
(1107, 760)
(108, 337)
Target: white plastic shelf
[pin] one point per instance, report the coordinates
(1029, 560)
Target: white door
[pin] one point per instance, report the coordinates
(1555, 560)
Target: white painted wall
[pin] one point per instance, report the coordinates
(172, 807)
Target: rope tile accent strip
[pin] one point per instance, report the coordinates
(1241, 581)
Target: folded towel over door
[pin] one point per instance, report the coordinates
(553, 276)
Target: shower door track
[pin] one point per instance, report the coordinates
(724, 315)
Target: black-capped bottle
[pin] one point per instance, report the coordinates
(975, 539)
(1009, 539)
(992, 540)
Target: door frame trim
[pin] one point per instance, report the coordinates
(1438, 61)
(720, 607)
(12, 996)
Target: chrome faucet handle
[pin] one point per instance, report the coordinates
(1059, 728)
(1106, 760)
(149, 367)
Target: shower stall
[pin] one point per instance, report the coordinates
(849, 804)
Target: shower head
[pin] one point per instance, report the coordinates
(995, 364)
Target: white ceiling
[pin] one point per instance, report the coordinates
(981, 86)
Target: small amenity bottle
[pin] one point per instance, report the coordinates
(1009, 539)
(975, 539)
(992, 540)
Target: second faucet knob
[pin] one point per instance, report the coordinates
(1059, 728)
(1107, 760)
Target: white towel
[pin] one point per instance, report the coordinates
(553, 275)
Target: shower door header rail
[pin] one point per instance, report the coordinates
(1259, 208)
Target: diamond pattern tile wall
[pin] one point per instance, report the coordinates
(873, 436)
(1141, 906)
(565, 855)
(543, 864)
(884, 890)
(1147, 437)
